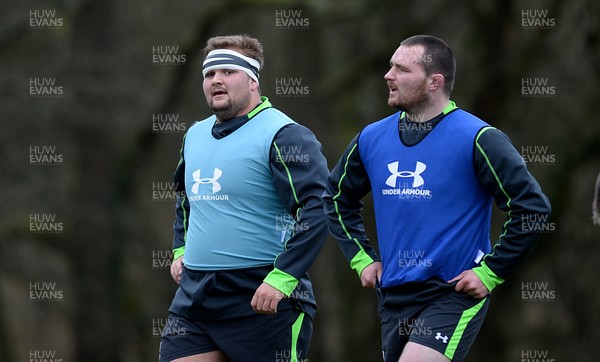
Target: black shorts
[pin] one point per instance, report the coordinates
(448, 324)
(211, 311)
(218, 295)
(280, 337)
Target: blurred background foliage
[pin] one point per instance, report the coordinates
(108, 261)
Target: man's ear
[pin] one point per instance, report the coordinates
(437, 81)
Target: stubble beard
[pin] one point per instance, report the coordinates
(230, 108)
(223, 111)
(414, 103)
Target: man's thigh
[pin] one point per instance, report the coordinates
(414, 352)
(214, 356)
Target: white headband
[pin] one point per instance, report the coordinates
(230, 59)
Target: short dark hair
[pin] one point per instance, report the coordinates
(248, 45)
(437, 58)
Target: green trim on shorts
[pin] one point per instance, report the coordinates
(296, 328)
(465, 318)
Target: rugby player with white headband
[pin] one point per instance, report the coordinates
(249, 222)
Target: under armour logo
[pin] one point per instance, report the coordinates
(197, 180)
(439, 336)
(418, 180)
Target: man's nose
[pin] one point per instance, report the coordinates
(388, 75)
(217, 78)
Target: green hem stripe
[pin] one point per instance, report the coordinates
(296, 329)
(465, 318)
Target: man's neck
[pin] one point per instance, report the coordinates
(432, 111)
(252, 105)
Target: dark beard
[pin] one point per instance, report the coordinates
(231, 109)
(415, 106)
(226, 112)
(417, 102)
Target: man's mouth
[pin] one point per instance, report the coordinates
(392, 89)
(218, 92)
